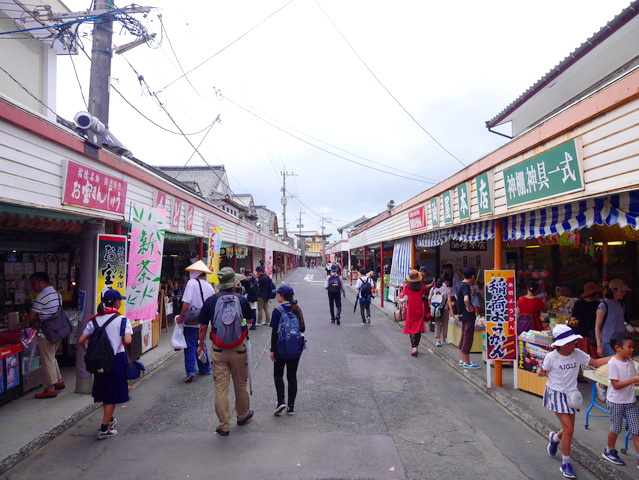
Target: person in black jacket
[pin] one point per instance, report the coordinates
(266, 287)
(251, 291)
(335, 288)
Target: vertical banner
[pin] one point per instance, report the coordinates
(501, 327)
(160, 200)
(145, 262)
(213, 254)
(189, 215)
(175, 213)
(111, 266)
(268, 261)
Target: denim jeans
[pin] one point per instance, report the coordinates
(192, 334)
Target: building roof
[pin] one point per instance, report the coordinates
(212, 181)
(605, 52)
(354, 224)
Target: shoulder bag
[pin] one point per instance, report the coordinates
(191, 315)
(57, 327)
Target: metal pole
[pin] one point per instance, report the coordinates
(101, 53)
(365, 259)
(381, 274)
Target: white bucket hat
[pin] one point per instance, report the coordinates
(563, 334)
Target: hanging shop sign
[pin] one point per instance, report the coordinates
(111, 266)
(475, 246)
(213, 254)
(209, 223)
(175, 213)
(447, 206)
(268, 261)
(189, 215)
(463, 201)
(89, 188)
(501, 328)
(555, 172)
(161, 200)
(145, 262)
(250, 238)
(417, 219)
(484, 194)
(434, 212)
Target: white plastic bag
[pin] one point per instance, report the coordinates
(178, 341)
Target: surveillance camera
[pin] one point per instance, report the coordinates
(87, 121)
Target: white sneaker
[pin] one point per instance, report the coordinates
(601, 392)
(108, 434)
(279, 409)
(438, 344)
(444, 343)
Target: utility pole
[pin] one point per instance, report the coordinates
(101, 53)
(285, 200)
(301, 241)
(323, 242)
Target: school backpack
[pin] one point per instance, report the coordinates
(366, 290)
(437, 304)
(228, 331)
(252, 290)
(99, 355)
(334, 284)
(290, 342)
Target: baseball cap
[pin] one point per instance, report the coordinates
(284, 290)
(112, 295)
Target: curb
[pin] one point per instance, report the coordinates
(46, 437)
(583, 455)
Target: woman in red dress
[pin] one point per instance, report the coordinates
(412, 295)
(530, 306)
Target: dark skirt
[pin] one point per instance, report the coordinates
(111, 388)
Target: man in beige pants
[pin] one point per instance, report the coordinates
(45, 305)
(229, 361)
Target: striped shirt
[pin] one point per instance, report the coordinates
(47, 303)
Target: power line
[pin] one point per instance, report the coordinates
(84, 100)
(28, 91)
(325, 150)
(217, 119)
(233, 42)
(386, 89)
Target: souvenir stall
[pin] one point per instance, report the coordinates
(399, 268)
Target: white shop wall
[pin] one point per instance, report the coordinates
(487, 258)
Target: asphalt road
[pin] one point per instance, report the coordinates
(366, 409)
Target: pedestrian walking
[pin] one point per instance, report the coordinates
(335, 288)
(440, 308)
(228, 313)
(266, 287)
(45, 306)
(109, 387)
(364, 288)
(620, 398)
(584, 315)
(412, 294)
(467, 317)
(562, 367)
(611, 316)
(287, 344)
(196, 292)
(252, 293)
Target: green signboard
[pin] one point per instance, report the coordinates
(447, 205)
(552, 173)
(463, 201)
(484, 194)
(434, 212)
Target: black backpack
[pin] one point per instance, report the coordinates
(252, 290)
(99, 355)
(334, 284)
(366, 290)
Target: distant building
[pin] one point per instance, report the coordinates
(352, 226)
(266, 220)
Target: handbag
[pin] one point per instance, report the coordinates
(57, 327)
(400, 313)
(191, 316)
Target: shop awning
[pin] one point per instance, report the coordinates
(177, 237)
(468, 232)
(619, 209)
(401, 261)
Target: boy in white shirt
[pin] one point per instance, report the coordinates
(620, 397)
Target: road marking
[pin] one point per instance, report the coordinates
(309, 278)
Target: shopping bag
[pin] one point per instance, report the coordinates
(178, 341)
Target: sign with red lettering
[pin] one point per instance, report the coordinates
(89, 188)
(417, 219)
(209, 223)
(189, 214)
(175, 213)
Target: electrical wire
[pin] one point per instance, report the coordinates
(227, 46)
(386, 89)
(217, 119)
(323, 149)
(79, 83)
(28, 91)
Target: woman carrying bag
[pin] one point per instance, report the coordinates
(412, 295)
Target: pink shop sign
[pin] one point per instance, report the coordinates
(89, 188)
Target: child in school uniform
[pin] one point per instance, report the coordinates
(562, 368)
(111, 387)
(620, 397)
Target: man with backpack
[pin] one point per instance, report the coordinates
(252, 292)
(266, 287)
(335, 287)
(364, 288)
(228, 313)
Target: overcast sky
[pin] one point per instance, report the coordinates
(452, 65)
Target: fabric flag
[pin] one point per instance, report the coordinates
(213, 258)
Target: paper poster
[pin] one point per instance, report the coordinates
(145, 262)
(213, 257)
(501, 328)
(175, 213)
(268, 261)
(111, 266)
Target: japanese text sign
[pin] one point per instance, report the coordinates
(160, 200)
(552, 173)
(145, 262)
(434, 212)
(85, 187)
(175, 213)
(484, 194)
(209, 223)
(463, 201)
(501, 329)
(268, 261)
(417, 219)
(447, 204)
(189, 215)
(111, 271)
